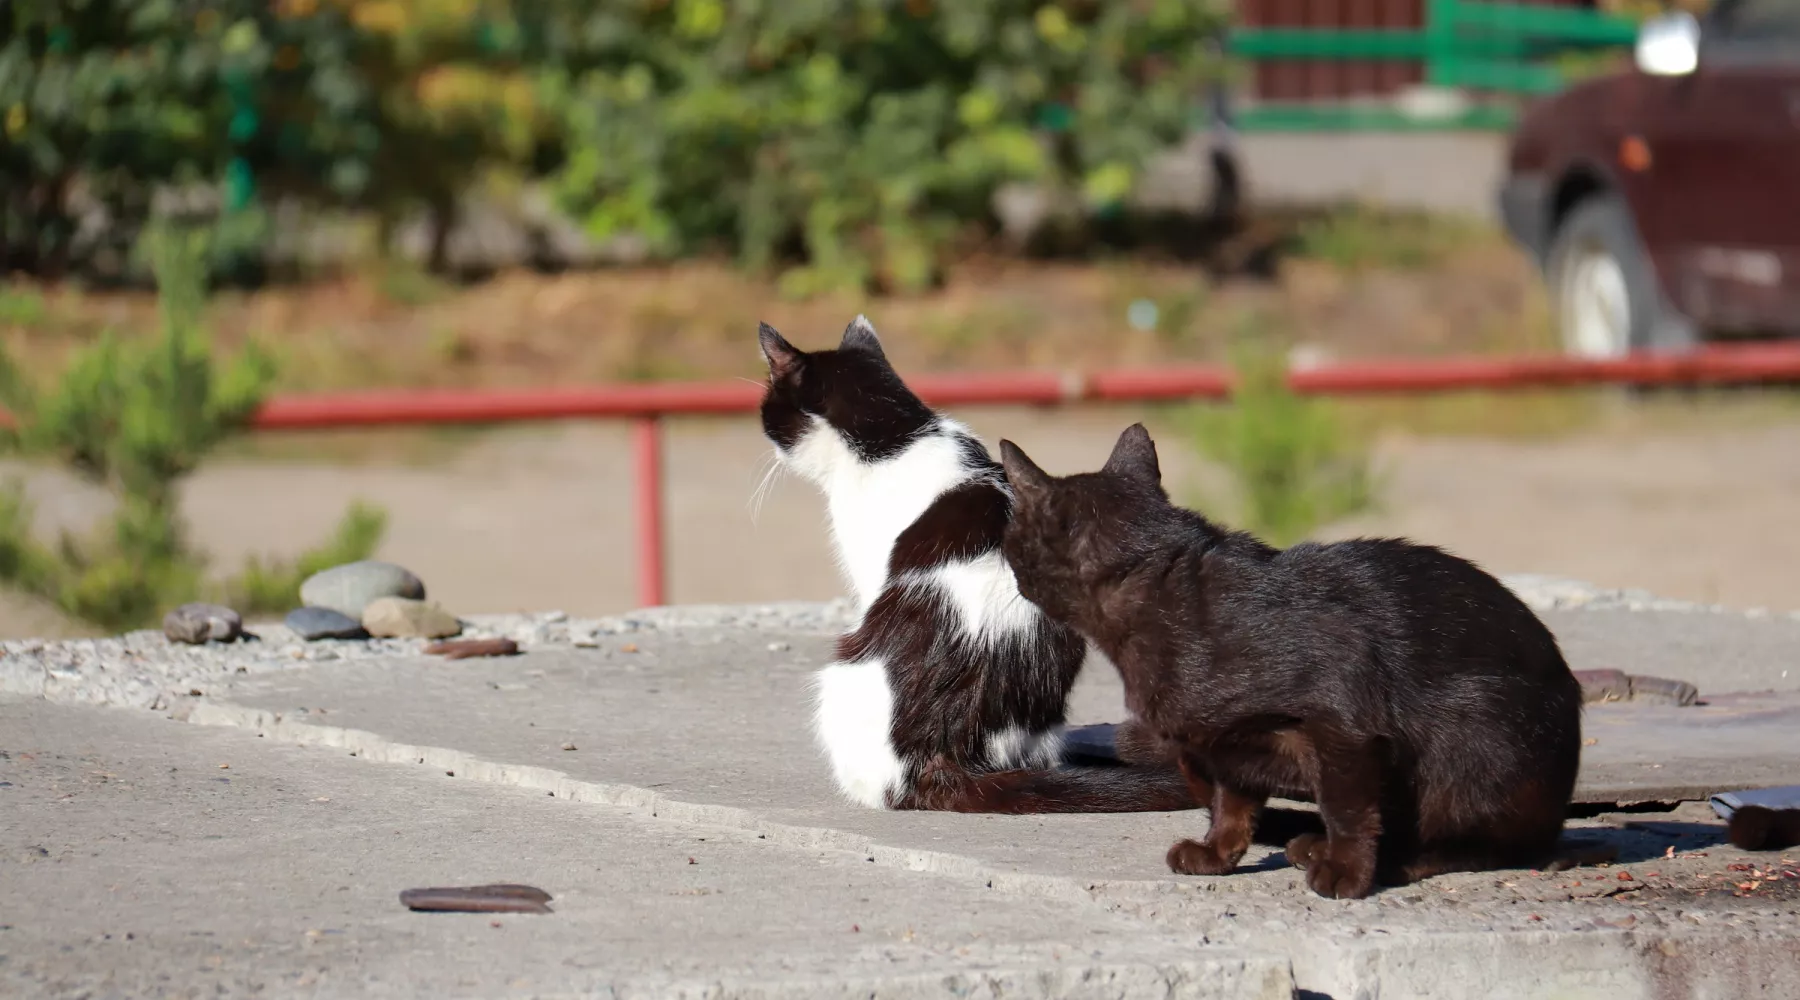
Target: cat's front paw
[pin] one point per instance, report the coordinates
(1190, 857)
(1304, 849)
(1333, 879)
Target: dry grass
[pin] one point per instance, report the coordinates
(1361, 286)
(696, 320)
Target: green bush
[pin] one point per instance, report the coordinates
(856, 138)
(136, 417)
(105, 96)
(1294, 467)
(374, 105)
(860, 136)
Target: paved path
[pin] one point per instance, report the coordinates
(133, 864)
(542, 517)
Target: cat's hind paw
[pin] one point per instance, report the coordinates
(1302, 850)
(1191, 857)
(1335, 880)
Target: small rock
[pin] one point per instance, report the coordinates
(1603, 685)
(348, 589)
(1662, 691)
(461, 649)
(402, 618)
(323, 623)
(198, 623)
(778, 647)
(502, 898)
(568, 746)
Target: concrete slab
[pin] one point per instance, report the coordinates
(382, 769)
(142, 858)
(1426, 940)
(134, 865)
(638, 716)
(1716, 652)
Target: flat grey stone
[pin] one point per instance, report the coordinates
(349, 588)
(199, 623)
(324, 623)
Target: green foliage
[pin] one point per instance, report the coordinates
(1295, 468)
(106, 96)
(21, 306)
(273, 585)
(857, 138)
(404, 283)
(136, 417)
(863, 134)
(381, 105)
(1357, 237)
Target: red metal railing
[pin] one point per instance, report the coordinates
(644, 405)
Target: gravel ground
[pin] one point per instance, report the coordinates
(144, 670)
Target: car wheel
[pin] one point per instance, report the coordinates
(1604, 292)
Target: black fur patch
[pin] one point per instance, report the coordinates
(1420, 702)
(856, 391)
(965, 522)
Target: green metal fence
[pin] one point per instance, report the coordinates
(1502, 50)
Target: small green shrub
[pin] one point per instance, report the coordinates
(22, 306)
(273, 585)
(1358, 238)
(1294, 467)
(136, 417)
(405, 283)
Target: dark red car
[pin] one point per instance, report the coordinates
(1663, 203)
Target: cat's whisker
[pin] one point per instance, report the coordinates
(764, 486)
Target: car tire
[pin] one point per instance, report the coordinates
(1603, 290)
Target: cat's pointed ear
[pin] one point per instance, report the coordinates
(1135, 456)
(782, 356)
(860, 336)
(1028, 481)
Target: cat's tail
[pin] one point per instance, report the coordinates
(1077, 790)
(1141, 788)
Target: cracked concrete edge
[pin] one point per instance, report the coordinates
(372, 746)
(1599, 964)
(1218, 975)
(1651, 962)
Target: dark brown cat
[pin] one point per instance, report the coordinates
(1416, 699)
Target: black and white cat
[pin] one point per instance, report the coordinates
(950, 691)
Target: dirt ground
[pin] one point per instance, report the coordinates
(1696, 506)
(1366, 294)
